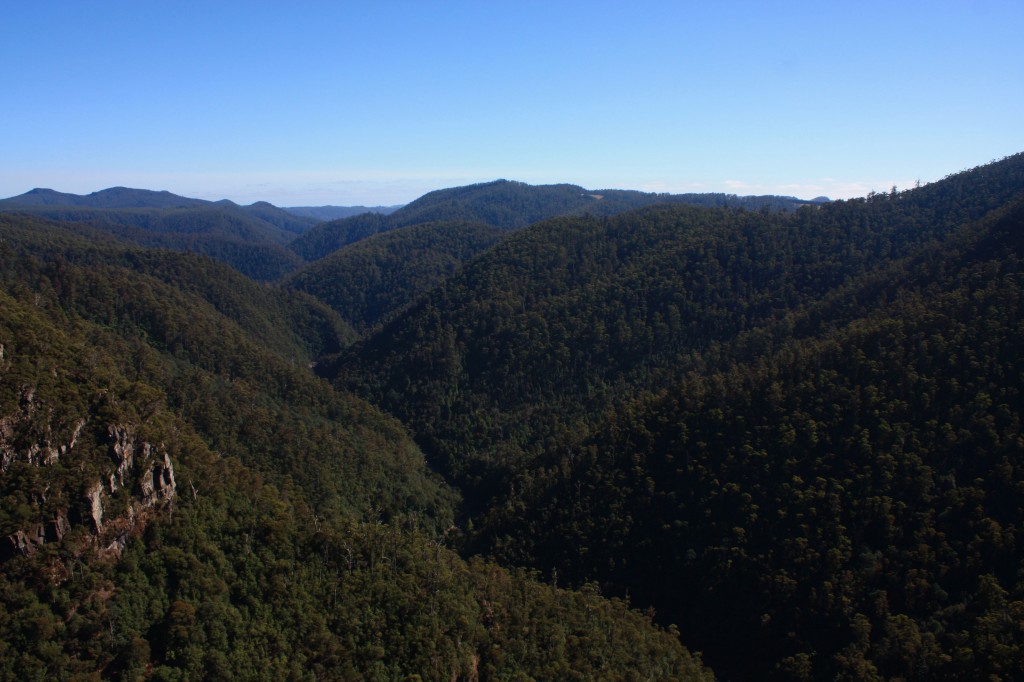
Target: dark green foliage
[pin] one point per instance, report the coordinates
(250, 238)
(536, 336)
(328, 237)
(794, 434)
(509, 205)
(330, 564)
(501, 203)
(512, 205)
(289, 323)
(861, 489)
(799, 430)
(238, 579)
(370, 280)
(127, 198)
(285, 219)
(231, 362)
(227, 222)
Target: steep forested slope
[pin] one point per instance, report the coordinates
(250, 238)
(231, 357)
(796, 431)
(279, 217)
(532, 340)
(182, 500)
(370, 280)
(43, 201)
(848, 504)
(795, 434)
(328, 237)
(288, 323)
(510, 206)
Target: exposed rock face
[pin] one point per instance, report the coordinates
(41, 452)
(154, 471)
(24, 543)
(95, 498)
(27, 543)
(11, 425)
(141, 469)
(159, 484)
(122, 450)
(139, 466)
(59, 527)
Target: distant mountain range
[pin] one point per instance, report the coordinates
(114, 197)
(540, 201)
(250, 238)
(511, 205)
(339, 212)
(266, 242)
(45, 201)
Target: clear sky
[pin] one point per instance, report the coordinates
(377, 102)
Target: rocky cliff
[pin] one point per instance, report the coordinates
(135, 479)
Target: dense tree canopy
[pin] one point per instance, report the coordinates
(860, 489)
(509, 205)
(370, 280)
(250, 238)
(305, 537)
(462, 449)
(726, 413)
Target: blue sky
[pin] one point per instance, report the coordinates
(345, 103)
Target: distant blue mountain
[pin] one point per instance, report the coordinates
(510, 205)
(339, 212)
(250, 238)
(114, 197)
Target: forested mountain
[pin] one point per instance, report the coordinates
(510, 205)
(113, 197)
(847, 504)
(182, 499)
(234, 353)
(250, 238)
(326, 238)
(502, 203)
(369, 280)
(324, 213)
(792, 430)
(560, 316)
(562, 379)
(282, 218)
(127, 198)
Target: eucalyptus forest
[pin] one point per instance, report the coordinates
(515, 432)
